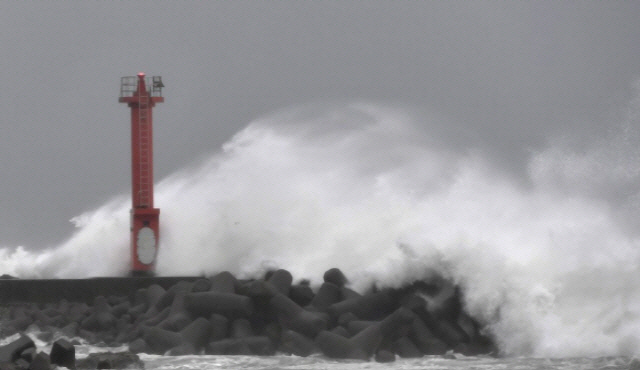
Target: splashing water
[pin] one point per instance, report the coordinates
(548, 266)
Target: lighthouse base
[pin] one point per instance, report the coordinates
(144, 240)
(141, 274)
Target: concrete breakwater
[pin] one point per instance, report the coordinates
(43, 291)
(224, 315)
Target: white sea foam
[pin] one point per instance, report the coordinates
(549, 263)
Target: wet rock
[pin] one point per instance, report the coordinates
(336, 277)
(137, 310)
(449, 332)
(228, 304)
(184, 349)
(480, 345)
(11, 352)
(19, 322)
(297, 344)
(259, 291)
(40, 319)
(22, 364)
(356, 326)
(153, 295)
(228, 347)
(450, 355)
(89, 336)
(327, 294)
(224, 282)
(178, 317)
(341, 330)
(201, 285)
(260, 345)
(139, 346)
(63, 353)
(397, 324)
(391, 327)
(40, 362)
(281, 280)
(140, 297)
(367, 307)
(160, 340)
(346, 318)
(46, 334)
(70, 330)
(337, 346)
(168, 297)
(405, 348)
(158, 317)
(130, 334)
(219, 327)
(197, 333)
(384, 356)
(110, 360)
(302, 294)
(29, 354)
(425, 340)
(121, 308)
(222, 315)
(273, 331)
(101, 317)
(368, 340)
(55, 310)
(76, 312)
(241, 328)
(296, 318)
(346, 293)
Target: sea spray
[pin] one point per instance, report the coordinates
(98, 248)
(547, 263)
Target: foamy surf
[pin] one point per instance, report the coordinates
(547, 263)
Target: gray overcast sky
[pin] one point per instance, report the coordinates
(507, 75)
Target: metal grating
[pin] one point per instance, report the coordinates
(129, 85)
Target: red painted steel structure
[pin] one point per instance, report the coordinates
(141, 94)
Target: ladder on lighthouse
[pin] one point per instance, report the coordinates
(144, 137)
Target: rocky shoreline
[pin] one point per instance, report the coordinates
(222, 315)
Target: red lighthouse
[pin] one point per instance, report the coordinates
(141, 94)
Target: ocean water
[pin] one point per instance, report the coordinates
(318, 362)
(547, 258)
(425, 363)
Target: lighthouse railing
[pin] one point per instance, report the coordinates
(129, 85)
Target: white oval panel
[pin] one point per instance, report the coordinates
(146, 245)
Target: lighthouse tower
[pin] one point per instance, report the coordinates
(141, 94)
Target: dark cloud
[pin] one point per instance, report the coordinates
(505, 76)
